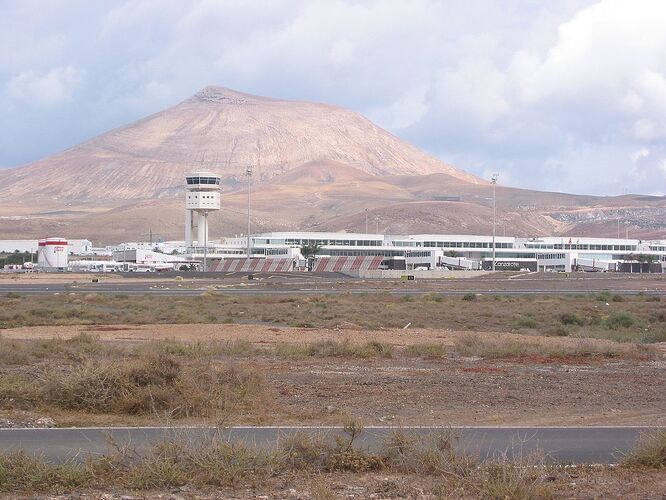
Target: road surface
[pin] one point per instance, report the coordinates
(579, 445)
(272, 285)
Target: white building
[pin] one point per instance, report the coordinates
(432, 251)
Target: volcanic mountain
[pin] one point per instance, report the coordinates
(316, 166)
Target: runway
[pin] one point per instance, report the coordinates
(327, 285)
(579, 445)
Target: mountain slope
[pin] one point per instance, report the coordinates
(223, 131)
(316, 167)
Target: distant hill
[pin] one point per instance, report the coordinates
(316, 166)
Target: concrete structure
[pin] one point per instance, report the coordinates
(142, 256)
(202, 196)
(52, 254)
(454, 252)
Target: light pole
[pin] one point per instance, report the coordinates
(366, 221)
(248, 172)
(494, 182)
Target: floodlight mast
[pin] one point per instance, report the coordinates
(493, 180)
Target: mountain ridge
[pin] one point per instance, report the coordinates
(316, 166)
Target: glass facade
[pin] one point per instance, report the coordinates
(203, 180)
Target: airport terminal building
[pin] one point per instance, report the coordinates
(342, 252)
(438, 251)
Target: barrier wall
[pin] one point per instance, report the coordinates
(346, 264)
(252, 265)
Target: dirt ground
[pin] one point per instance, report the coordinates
(404, 390)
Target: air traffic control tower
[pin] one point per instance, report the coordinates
(202, 196)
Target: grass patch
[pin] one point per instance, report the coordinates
(620, 319)
(371, 311)
(334, 348)
(496, 348)
(215, 462)
(649, 451)
(568, 318)
(85, 375)
(428, 351)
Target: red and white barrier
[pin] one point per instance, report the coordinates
(252, 265)
(342, 264)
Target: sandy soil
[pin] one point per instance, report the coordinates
(410, 391)
(265, 334)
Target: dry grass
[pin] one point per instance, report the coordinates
(85, 375)
(617, 317)
(219, 463)
(497, 348)
(649, 451)
(336, 349)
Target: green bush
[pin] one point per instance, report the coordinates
(469, 296)
(571, 319)
(525, 322)
(654, 336)
(621, 319)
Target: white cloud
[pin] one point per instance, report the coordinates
(554, 95)
(52, 88)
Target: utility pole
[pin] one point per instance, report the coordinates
(366, 221)
(248, 172)
(494, 182)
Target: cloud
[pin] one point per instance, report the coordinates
(554, 95)
(52, 88)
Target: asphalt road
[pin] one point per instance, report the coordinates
(604, 445)
(324, 287)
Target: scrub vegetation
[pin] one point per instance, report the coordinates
(639, 319)
(323, 466)
(215, 462)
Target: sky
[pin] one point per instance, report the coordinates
(566, 95)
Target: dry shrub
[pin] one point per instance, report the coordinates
(649, 451)
(521, 479)
(309, 452)
(154, 383)
(335, 349)
(428, 351)
(433, 455)
(18, 392)
(475, 345)
(92, 386)
(22, 472)
(77, 348)
(305, 451)
(213, 461)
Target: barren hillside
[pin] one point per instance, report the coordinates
(316, 167)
